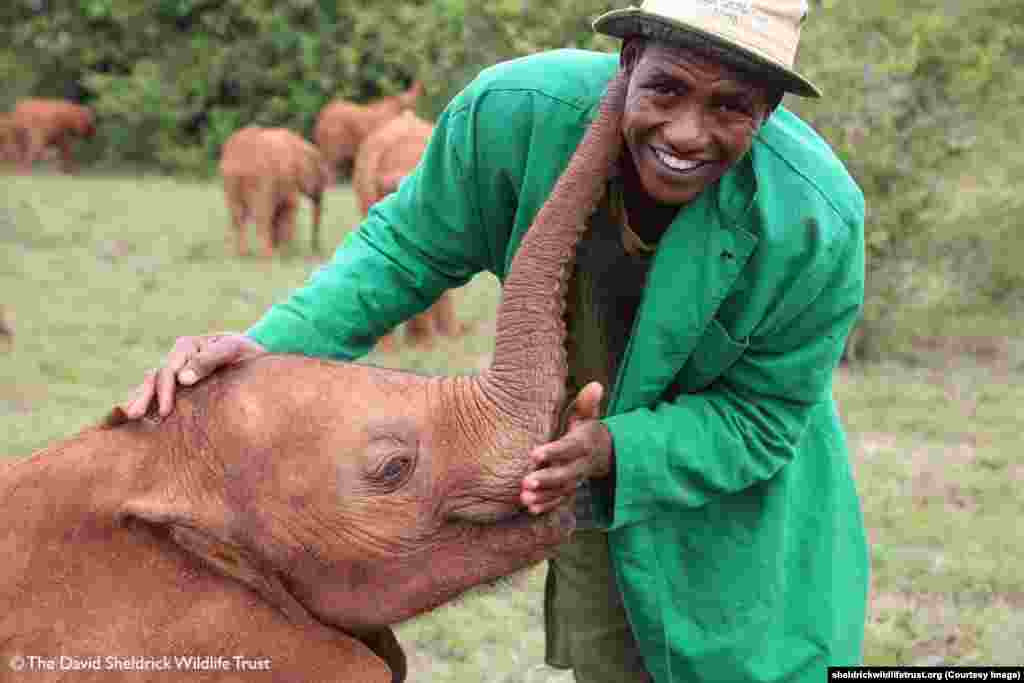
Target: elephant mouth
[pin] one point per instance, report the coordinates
(560, 521)
(482, 512)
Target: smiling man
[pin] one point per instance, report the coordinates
(711, 297)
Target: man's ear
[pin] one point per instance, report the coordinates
(630, 53)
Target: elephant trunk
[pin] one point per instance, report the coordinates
(529, 369)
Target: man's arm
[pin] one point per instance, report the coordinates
(413, 245)
(427, 237)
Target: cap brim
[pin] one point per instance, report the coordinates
(633, 21)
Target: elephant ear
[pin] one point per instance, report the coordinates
(375, 655)
(210, 543)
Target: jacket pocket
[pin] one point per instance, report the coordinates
(714, 353)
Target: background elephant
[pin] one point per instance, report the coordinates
(295, 508)
(51, 123)
(387, 155)
(342, 126)
(6, 331)
(264, 171)
(10, 139)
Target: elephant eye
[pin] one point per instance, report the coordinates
(394, 471)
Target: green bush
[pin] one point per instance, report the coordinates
(172, 79)
(919, 96)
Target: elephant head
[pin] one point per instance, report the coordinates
(360, 496)
(83, 121)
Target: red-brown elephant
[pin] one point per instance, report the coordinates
(6, 331)
(45, 123)
(264, 171)
(386, 156)
(290, 510)
(342, 125)
(10, 139)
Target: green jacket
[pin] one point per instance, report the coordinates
(735, 528)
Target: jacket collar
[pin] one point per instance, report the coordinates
(696, 264)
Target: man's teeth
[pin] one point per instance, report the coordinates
(675, 163)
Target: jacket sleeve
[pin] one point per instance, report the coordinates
(423, 239)
(748, 424)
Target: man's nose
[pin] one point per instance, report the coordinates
(688, 127)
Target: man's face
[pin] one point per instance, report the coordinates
(687, 119)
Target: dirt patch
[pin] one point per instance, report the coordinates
(19, 399)
(934, 476)
(986, 350)
(933, 471)
(938, 621)
(929, 486)
(871, 444)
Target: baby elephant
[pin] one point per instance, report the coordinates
(386, 156)
(264, 171)
(262, 525)
(43, 123)
(342, 126)
(6, 332)
(10, 139)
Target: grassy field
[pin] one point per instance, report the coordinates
(99, 275)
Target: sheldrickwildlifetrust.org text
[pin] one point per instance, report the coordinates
(926, 673)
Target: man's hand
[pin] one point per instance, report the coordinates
(585, 452)
(191, 359)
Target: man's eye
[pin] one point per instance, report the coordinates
(664, 88)
(735, 107)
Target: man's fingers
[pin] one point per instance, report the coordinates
(570, 447)
(587, 404)
(558, 480)
(165, 386)
(184, 348)
(136, 407)
(166, 378)
(190, 360)
(542, 506)
(217, 352)
(208, 358)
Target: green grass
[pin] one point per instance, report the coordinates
(940, 466)
(99, 275)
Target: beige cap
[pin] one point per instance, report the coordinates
(757, 35)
